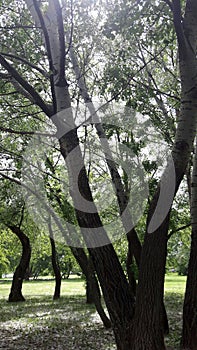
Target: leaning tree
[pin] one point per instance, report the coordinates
(41, 73)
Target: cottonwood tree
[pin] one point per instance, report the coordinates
(66, 211)
(143, 328)
(19, 274)
(14, 218)
(189, 332)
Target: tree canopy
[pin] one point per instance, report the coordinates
(96, 171)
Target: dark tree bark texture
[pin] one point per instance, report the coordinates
(16, 288)
(56, 269)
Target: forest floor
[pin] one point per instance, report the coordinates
(69, 323)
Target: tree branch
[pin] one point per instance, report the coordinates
(22, 215)
(177, 230)
(37, 195)
(11, 131)
(179, 27)
(33, 93)
(39, 16)
(62, 80)
(40, 70)
(71, 30)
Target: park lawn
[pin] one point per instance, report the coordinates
(69, 323)
(175, 283)
(45, 287)
(174, 295)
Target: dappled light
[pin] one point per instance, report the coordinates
(98, 174)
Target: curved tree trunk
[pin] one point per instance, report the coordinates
(134, 245)
(108, 268)
(16, 288)
(189, 332)
(93, 294)
(145, 331)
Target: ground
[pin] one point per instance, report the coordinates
(69, 323)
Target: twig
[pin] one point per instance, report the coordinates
(177, 230)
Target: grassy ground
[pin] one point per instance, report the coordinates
(69, 323)
(174, 294)
(45, 287)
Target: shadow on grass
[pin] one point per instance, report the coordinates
(45, 307)
(69, 336)
(174, 308)
(68, 323)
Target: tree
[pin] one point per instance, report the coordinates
(189, 332)
(19, 274)
(149, 307)
(13, 218)
(55, 264)
(60, 200)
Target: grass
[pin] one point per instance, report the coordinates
(69, 323)
(174, 295)
(42, 287)
(175, 283)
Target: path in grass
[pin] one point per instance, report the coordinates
(69, 323)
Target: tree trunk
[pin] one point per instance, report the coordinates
(16, 288)
(89, 272)
(92, 286)
(56, 269)
(146, 332)
(134, 246)
(109, 271)
(89, 291)
(55, 264)
(130, 273)
(189, 332)
(113, 282)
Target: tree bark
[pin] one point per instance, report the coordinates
(109, 271)
(92, 289)
(134, 245)
(56, 269)
(146, 331)
(92, 286)
(189, 331)
(55, 264)
(89, 272)
(16, 288)
(93, 294)
(130, 273)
